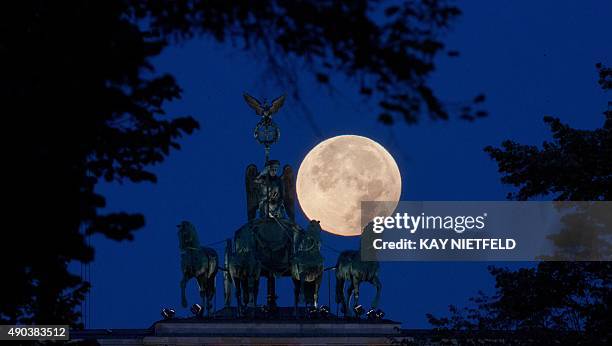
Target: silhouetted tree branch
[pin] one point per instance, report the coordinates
(77, 100)
(388, 48)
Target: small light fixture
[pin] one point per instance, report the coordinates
(196, 309)
(168, 313)
(371, 315)
(359, 310)
(324, 311)
(311, 312)
(380, 314)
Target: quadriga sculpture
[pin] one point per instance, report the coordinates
(197, 262)
(307, 266)
(243, 270)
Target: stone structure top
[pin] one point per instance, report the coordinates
(249, 332)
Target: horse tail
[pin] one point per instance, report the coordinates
(227, 278)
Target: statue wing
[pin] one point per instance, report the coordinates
(251, 191)
(289, 192)
(253, 103)
(277, 103)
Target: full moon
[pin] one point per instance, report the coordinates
(341, 172)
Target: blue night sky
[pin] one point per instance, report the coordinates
(531, 58)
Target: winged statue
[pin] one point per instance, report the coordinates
(269, 195)
(264, 109)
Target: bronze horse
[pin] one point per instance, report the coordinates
(351, 268)
(243, 271)
(307, 266)
(197, 262)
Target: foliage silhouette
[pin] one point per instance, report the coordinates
(84, 103)
(555, 302)
(387, 47)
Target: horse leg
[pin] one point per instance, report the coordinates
(227, 288)
(378, 286)
(211, 291)
(255, 290)
(250, 294)
(302, 288)
(271, 301)
(340, 294)
(245, 296)
(238, 296)
(349, 298)
(206, 288)
(183, 297)
(355, 291)
(317, 285)
(227, 274)
(296, 296)
(203, 287)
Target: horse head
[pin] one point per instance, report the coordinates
(310, 240)
(245, 241)
(188, 237)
